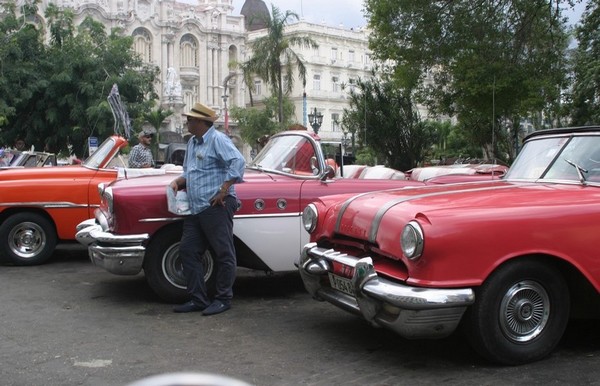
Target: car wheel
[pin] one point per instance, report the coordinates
(520, 313)
(163, 268)
(27, 239)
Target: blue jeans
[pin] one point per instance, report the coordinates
(210, 229)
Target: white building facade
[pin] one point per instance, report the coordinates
(332, 70)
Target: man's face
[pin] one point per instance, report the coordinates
(146, 140)
(197, 126)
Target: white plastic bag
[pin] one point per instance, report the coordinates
(178, 203)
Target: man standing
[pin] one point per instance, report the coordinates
(141, 154)
(212, 165)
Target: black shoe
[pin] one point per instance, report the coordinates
(216, 307)
(188, 307)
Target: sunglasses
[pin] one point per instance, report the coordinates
(147, 136)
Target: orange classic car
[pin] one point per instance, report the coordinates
(41, 206)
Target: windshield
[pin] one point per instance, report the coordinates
(292, 154)
(559, 158)
(95, 160)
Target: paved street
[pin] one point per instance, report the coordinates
(70, 323)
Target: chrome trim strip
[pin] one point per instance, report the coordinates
(161, 219)
(62, 204)
(267, 215)
(236, 217)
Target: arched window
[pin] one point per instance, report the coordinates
(142, 44)
(233, 53)
(189, 51)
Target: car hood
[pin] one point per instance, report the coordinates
(161, 181)
(45, 173)
(363, 216)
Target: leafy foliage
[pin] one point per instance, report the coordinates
(384, 117)
(273, 58)
(55, 95)
(586, 88)
(256, 123)
(483, 61)
(155, 118)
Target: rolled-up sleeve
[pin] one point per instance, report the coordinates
(234, 159)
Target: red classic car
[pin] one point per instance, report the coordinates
(133, 230)
(511, 260)
(41, 206)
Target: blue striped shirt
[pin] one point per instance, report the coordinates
(210, 160)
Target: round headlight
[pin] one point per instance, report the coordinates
(309, 218)
(107, 198)
(411, 240)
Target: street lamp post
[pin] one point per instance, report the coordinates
(316, 120)
(226, 118)
(345, 140)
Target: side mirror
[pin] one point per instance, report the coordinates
(328, 173)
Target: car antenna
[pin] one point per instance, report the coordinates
(493, 124)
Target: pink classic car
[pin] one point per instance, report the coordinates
(509, 260)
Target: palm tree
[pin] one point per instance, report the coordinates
(273, 59)
(155, 118)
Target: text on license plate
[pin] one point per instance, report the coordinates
(341, 284)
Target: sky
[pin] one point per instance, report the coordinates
(331, 12)
(345, 12)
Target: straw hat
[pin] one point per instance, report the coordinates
(203, 112)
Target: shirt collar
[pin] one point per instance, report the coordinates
(201, 140)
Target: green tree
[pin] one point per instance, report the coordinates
(273, 58)
(255, 122)
(155, 118)
(69, 80)
(484, 61)
(586, 87)
(384, 117)
(22, 54)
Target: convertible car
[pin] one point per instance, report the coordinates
(40, 206)
(509, 260)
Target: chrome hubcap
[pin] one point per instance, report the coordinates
(173, 268)
(26, 240)
(524, 311)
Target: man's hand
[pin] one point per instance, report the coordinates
(219, 199)
(174, 185)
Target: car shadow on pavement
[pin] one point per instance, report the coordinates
(257, 284)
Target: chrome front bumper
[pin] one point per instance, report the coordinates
(412, 312)
(121, 255)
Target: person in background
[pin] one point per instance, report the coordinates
(141, 154)
(20, 144)
(211, 167)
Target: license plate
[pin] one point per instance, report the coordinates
(341, 284)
